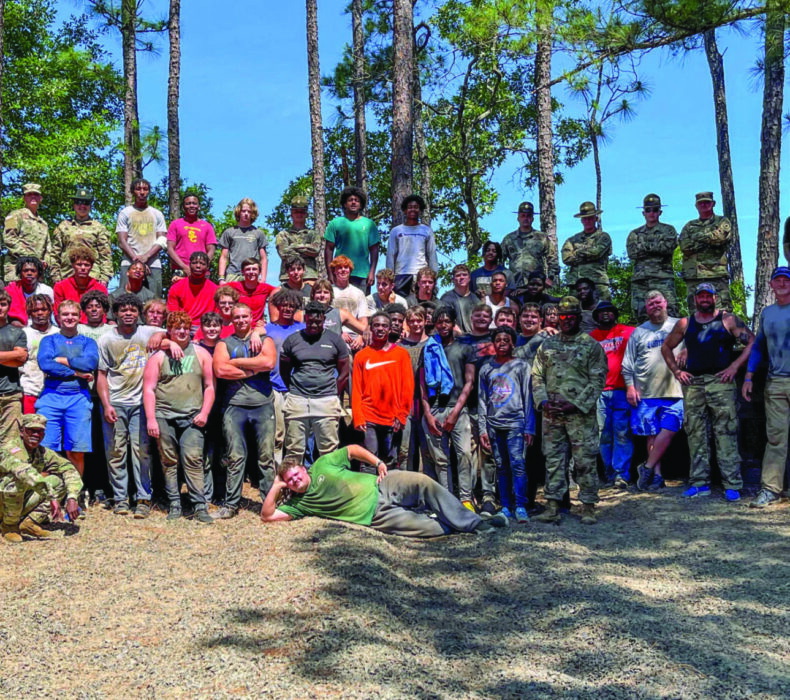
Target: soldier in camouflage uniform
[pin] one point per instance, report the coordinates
(81, 230)
(300, 241)
(26, 233)
(587, 253)
(568, 376)
(704, 243)
(33, 483)
(526, 250)
(651, 247)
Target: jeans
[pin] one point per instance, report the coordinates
(614, 418)
(383, 442)
(129, 430)
(234, 421)
(508, 448)
(180, 440)
(439, 450)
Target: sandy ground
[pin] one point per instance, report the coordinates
(662, 599)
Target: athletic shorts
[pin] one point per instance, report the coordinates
(68, 420)
(652, 416)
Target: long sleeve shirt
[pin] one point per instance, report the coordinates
(383, 387)
(82, 354)
(504, 397)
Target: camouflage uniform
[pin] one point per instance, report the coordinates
(25, 491)
(704, 244)
(526, 252)
(306, 245)
(587, 255)
(575, 368)
(72, 233)
(651, 251)
(25, 233)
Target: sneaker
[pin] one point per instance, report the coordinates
(621, 484)
(521, 515)
(202, 516)
(606, 485)
(122, 508)
(142, 510)
(732, 495)
(224, 513)
(764, 498)
(469, 506)
(98, 497)
(506, 512)
(657, 484)
(694, 491)
(645, 476)
(174, 512)
(487, 510)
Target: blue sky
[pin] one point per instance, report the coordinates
(245, 125)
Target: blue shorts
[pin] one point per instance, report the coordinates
(652, 416)
(68, 420)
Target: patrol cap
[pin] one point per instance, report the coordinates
(569, 305)
(299, 202)
(31, 188)
(706, 287)
(651, 200)
(605, 306)
(587, 209)
(525, 208)
(34, 420)
(704, 197)
(82, 193)
(781, 271)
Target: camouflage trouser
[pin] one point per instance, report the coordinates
(708, 397)
(17, 502)
(722, 286)
(575, 435)
(10, 416)
(639, 290)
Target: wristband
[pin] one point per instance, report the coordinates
(747, 380)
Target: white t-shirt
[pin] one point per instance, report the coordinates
(142, 228)
(643, 363)
(31, 378)
(352, 300)
(124, 358)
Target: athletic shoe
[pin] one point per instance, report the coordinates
(657, 484)
(202, 516)
(606, 485)
(122, 508)
(174, 512)
(506, 512)
(694, 491)
(224, 513)
(764, 498)
(487, 509)
(732, 495)
(621, 484)
(521, 515)
(142, 510)
(469, 506)
(645, 476)
(98, 497)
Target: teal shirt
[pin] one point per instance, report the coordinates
(335, 492)
(353, 239)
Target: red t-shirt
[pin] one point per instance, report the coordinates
(226, 332)
(613, 342)
(194, 299)
(67, 289)
(255, 300)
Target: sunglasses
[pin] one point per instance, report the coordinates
(652, 210)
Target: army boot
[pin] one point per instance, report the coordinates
(551, 514)
(588, 514)
(32, 528)
(11, 533)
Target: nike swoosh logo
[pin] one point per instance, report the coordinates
(372, 365)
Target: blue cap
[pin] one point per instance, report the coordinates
(705, 287)
(781, 271)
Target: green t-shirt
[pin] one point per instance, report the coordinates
(353, 239)
(335, 492)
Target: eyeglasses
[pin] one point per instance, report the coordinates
(652, 210)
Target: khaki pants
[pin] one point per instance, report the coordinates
(777, 422)
(303, 416)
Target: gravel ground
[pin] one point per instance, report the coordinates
(661, 599)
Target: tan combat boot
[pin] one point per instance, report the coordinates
(11, 533)
(551, 514)
(32, 528)
(588, 514)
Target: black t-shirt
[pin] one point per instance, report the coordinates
(458, 356)
(463, 308)
(483, 349)
(11, 337)
(313, 362)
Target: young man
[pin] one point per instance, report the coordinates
(225, 298)
(425, 287)
(81, 230)
(709, 390)
(299, 242)
(461, 299)
(614, 411)
(135, 284)
(584, 290)
(527, 250)
(587, 253)
(392, 503)
(411, 245)
(241, 242)
(252, 291)
(248, 403)
(188, 235)
(31, 378)
(154, 312)
(80, 282)
(446, 381)
(354, 236)
(397, 314)
(214, 474)
(314, 367)
(496, 298)
(25, 233)
(534, 291)
(382, 392)
(195, 294)
(480, 279)
(142, 234)
(347, 297)
(29, 273)
(506, 316)
(295, 277)
(95, 306)
(413, 437)
(13, 354)
(178, 395)
(506, 420)
(384, 296)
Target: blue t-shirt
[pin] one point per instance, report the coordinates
(278, 334)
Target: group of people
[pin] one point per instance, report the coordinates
(441, 403)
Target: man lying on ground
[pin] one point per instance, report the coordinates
(394, 503)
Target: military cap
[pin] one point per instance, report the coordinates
(526, 208)
(704, 197)
(605, 306)
(31, 187)
(34, 420)
(705, 287)
(82, 193)
(651, 200)
(587, 209)
(781, 271)
(569, 305)
(299, 202)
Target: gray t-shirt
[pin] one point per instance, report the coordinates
(11, 337)
(458, 357)
(643, 363)
(314, 362)
(143, 295)
(463, 308)
(241, 243)
(250, 392)
(123, 358)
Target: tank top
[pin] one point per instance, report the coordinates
(332, 321)
(709, 346)
(179, 391)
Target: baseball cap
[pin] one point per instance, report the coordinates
(781, 271)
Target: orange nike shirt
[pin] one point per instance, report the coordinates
(382, 386)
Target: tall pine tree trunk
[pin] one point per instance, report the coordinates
(716, 66)
(402, 112)
(2, 64)
(360, 130)
(132, 163)
(316, 125)
(173, 81)
(421, 145)
(770, 152)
